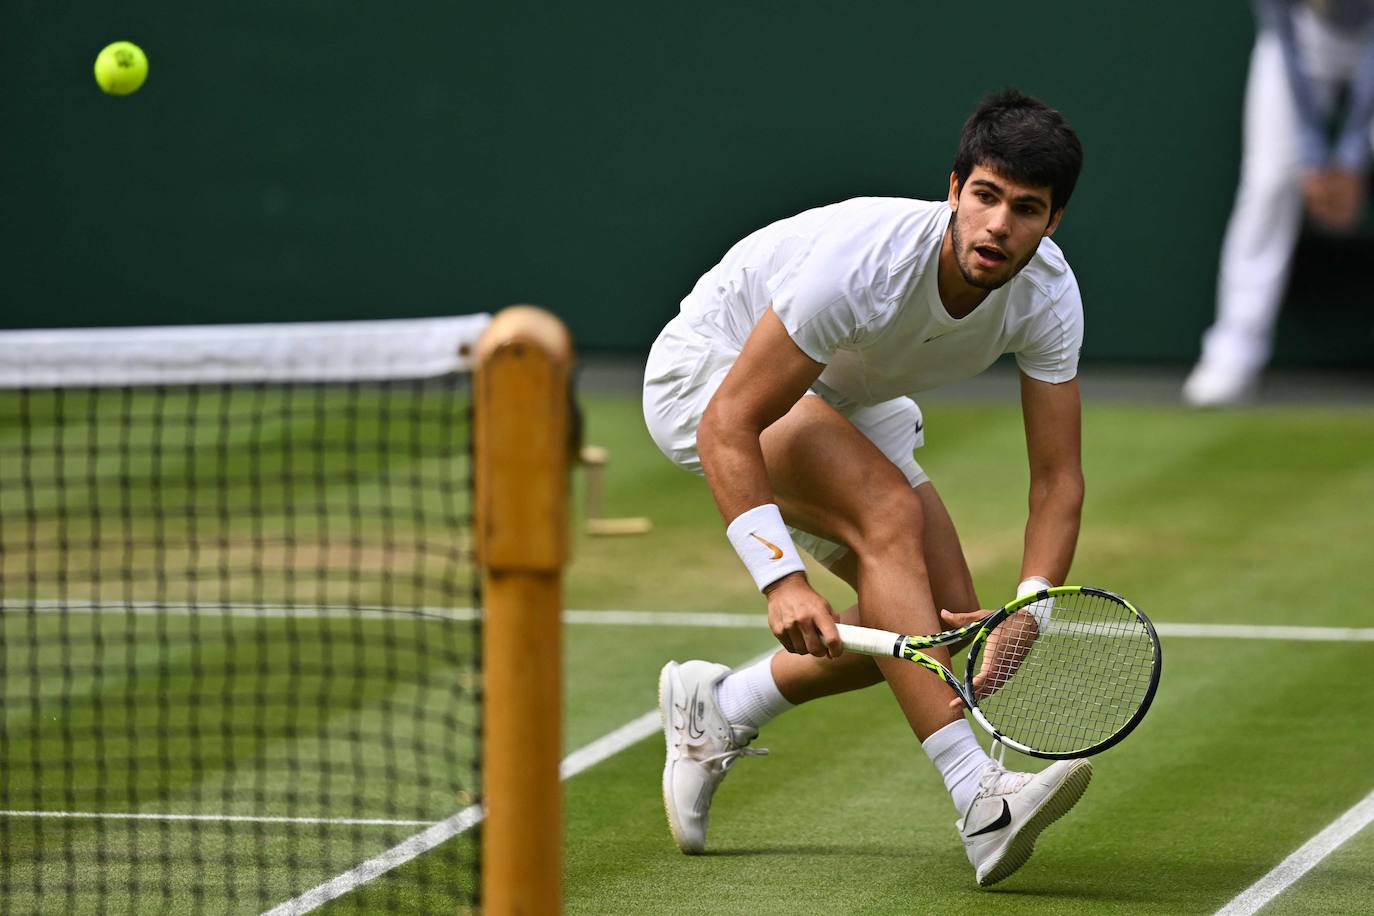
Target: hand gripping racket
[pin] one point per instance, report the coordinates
(1064, 672)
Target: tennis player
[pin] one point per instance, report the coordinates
(786, 379)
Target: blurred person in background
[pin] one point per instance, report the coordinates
(1309, 57)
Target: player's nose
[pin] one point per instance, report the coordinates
(999, 222)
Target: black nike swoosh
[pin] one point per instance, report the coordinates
(998, 824)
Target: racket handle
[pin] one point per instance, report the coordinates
(868, 641)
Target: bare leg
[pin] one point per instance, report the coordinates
(801, 678)
(831, 480)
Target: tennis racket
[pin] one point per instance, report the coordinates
(1064, 672)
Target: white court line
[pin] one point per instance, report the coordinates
(583, 758)
(667, 619)
(1184, 630)
(1247, 631)
(228, 818)
(633, 618)
(635, 730)
(643, 726)
(1302, 861)
(396, 855)
(606, 746)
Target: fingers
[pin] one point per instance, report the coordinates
(830, 636)
(804, 623)
(803, 637)
(818, 636)
(953, 620)
(981, 690)
(810, 639)
(784, 637)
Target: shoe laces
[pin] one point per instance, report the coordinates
(740, 736)
(998, 780)
(998, 751)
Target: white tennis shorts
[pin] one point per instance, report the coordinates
(685, 369)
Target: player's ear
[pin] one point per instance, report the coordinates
(1054, 221)
(954, 190)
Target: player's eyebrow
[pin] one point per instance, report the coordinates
(1021, 199)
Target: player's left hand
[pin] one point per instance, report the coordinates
(953, 620)
(1008, 645)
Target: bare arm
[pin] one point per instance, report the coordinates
(1053, 423)
(769, 377)
(771, 374)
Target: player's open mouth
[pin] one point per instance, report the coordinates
(989, 256)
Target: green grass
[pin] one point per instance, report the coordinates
(214, 706)
(225, 715)
(1252, 747)
(1255, 516)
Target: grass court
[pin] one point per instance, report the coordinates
(1254, 518)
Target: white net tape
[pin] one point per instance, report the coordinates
(404, 348)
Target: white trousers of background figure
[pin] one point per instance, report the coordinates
(1263, 231)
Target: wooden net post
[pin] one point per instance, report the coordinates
(522, 441)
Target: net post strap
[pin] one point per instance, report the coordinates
(522, 427)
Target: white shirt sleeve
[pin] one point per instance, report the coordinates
(827, 294)
(1051, 353)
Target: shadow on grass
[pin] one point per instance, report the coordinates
(1066, 890)
(875, 850)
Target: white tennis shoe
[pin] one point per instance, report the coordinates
(1001, 823)
(1213, 384)
(702, 747)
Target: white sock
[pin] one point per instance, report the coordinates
(750, 697)
(955, 752)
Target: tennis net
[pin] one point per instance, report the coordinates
(236, 628)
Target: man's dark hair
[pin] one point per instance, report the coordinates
(1022, 139)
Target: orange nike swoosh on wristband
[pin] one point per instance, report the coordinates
(777, 551)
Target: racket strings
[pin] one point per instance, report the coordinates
(1068, 677)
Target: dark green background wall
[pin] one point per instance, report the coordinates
(328, 160)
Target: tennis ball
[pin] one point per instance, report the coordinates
(121, 67)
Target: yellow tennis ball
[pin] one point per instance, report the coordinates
(121, 67)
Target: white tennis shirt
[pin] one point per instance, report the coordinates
(855, 286)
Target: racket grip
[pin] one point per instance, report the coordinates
(868, 641)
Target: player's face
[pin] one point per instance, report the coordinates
(997, 226)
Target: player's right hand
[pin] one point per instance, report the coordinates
(802, 620)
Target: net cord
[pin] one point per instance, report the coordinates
(317, 351)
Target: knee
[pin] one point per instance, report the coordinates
(891, 527)
(958, 596)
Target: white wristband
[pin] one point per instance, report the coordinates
(1040, 610)
(760, 538)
